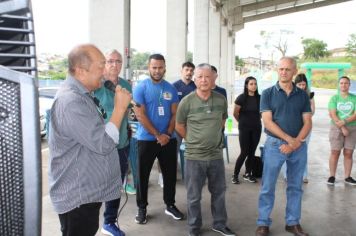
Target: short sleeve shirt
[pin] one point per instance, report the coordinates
(287, 111)
(184, 89)
(158, 99)
(249, 116)
(203, 120)
(345, 107)
(220, 90)
(106, 98)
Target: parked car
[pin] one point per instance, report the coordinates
(46, 97)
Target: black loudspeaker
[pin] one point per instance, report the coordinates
(17, 37)
(8, 6)
(20, 156)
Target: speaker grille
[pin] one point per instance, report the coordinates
(11, 160)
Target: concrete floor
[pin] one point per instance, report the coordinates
(327, 211)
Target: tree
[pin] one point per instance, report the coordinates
(351, 45)
(278, 40)
(139, 60)
(239, 62)
(189, 56)
(314, 49)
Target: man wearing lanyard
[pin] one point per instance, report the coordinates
(155, 136)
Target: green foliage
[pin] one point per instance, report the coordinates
(57, 70)
(239, 62)
(189, 56)
(54, 75)
(314, 49)
(139, 60)
(351, 45)
(328, 78)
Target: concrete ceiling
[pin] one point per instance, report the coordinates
(240, 12)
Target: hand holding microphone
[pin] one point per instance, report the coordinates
(110, 85)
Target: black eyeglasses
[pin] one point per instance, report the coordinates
(100, 108)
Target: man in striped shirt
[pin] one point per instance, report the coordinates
(83, 166)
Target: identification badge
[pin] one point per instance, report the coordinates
(161, 111)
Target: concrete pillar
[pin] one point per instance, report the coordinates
(201, 31)
(230, 68)
(214, 37)
(177, 28)
(109, 26)
(223, 62)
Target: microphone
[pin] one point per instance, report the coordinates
(111, 86)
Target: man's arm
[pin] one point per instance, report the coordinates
(121, 101)
(307, 125)
(293, 143)
(271, 126)
(141, 116)
(181, 129)
(172, 122)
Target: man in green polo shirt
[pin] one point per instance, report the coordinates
(200, 119)
(106, 96)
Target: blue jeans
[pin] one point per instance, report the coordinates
(112, 207)
(196, 174)
(272, 162)
(305, 174)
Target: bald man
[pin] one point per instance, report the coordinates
(83, 166)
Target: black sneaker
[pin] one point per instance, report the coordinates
(141, 217)
(331, 180)
(224, 231)
(245, 176)
(174, 212)
(235, 179)
(252, 179)
(350, 180)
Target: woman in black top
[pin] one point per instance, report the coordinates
(247, 113)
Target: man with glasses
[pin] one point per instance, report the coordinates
(83, 166)
(106, 96)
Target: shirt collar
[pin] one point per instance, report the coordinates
(278, 87)
(73, 82)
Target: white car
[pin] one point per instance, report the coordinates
(46, 97)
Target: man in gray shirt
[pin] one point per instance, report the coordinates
(83, 166)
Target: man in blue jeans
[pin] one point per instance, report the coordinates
(112, 70)
(286, 115)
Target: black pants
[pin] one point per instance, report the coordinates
(112, 207)
(81, 221)
(167, 157)
(249, 139)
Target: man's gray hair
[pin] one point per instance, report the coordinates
(203, 65)
(112, 51)
(291, 59)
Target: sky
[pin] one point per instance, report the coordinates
(62, 24)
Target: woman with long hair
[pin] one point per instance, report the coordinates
(247, 113)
